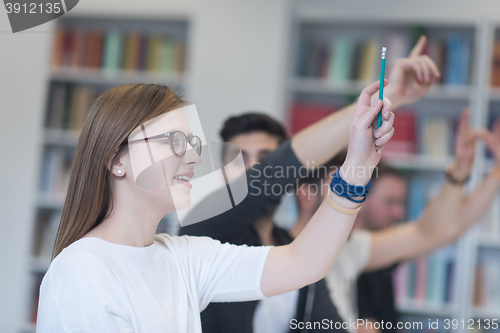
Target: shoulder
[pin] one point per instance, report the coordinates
(185, 241)
(80, 264)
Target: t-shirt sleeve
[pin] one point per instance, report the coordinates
(357, 252)
(276, 170)
(78, 295)
(226, 272)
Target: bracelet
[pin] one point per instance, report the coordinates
(449, 171)
(339, 209)
(345, 190)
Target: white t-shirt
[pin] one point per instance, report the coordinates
(343, 276)
(273, 314)
(98, 286)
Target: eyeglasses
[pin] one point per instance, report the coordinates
(178, 142)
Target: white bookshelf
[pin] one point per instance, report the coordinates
(320, 19)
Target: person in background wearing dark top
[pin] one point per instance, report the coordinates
(257, 135)
(376, 298)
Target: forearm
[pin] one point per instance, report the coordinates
(312, 254)
(478, 203)
(440, 210)
(320, 142)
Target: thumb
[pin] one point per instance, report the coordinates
(419, 48)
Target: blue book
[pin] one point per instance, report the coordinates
(457, 60)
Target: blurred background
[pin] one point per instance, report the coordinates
(298, 61)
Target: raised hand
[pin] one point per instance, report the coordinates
(465, 145)
(362, 155)
(411, 78)
(492, 141)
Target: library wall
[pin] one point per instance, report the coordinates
(23, 64)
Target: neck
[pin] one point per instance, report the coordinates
(264, 227)
(131, 223)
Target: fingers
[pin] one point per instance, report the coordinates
(385, 127)
(419, 48)
(464, 121)
(369, 115)
(387, 109)
(432, 67)
(385, 138)
(424, 69)
(479, 135)
(366, 94)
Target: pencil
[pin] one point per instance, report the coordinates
(381, 89)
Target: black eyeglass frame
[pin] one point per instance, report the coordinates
(170, 135)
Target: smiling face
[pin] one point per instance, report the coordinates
(154, 164)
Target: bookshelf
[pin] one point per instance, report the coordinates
(485, 302)
(90, 55)
(323, 79)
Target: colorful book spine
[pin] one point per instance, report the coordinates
(113, 46)
(341, 61)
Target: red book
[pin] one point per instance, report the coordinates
(68, 47)
(305, 114)
(94, 52)
(78, 51)
(403, 140)
(58, 47)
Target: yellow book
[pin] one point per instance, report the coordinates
(369, 58)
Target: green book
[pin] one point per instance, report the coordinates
(167, 55)
(340, 63)
(113, 49)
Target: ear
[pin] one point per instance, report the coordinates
(119, 166)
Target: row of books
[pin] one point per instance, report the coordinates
(345, 60)
(114, 50)
(426, 281)
(486, 286)
(428, 134)
(56, 169)
(69, 105)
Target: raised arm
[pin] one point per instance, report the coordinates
(410, 79)
(477, 204)
(440, 223)
(310, 256)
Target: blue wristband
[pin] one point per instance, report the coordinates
(345, 190)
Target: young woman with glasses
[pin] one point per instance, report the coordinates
(111, 273)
